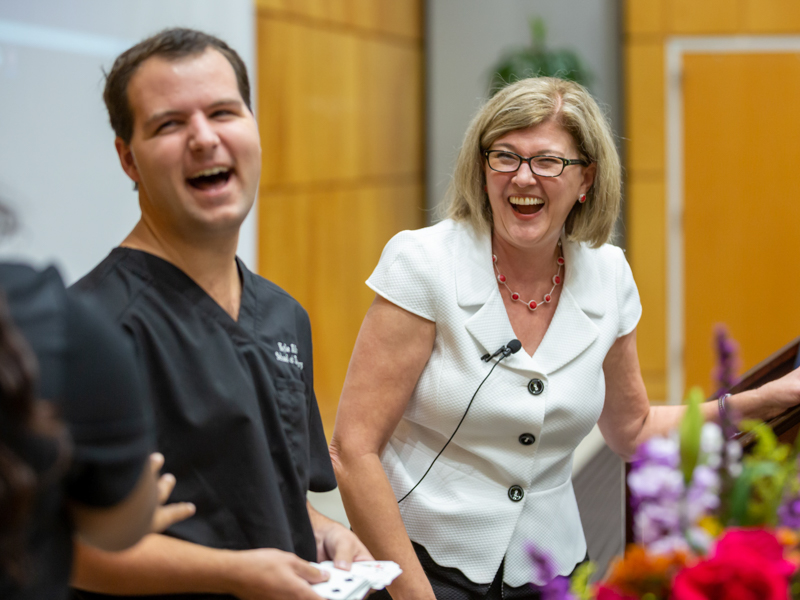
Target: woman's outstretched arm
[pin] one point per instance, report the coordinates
(628, 419)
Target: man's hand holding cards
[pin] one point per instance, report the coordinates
(356, 583)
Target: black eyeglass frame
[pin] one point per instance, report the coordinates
(565, 162)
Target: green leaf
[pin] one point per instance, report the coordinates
(579, 585)
(538, 32)
(690, 428)
(745, 509)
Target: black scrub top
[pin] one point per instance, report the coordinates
(236, 415)
(88, 371)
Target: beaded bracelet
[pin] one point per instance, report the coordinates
(723, 412)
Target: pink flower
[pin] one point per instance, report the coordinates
(748, 564)
(760, 542)
(607, 593)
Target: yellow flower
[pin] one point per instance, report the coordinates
(711, 525)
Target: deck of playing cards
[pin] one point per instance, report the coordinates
(356, 583)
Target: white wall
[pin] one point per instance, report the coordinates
(58, 167)
(465, 38)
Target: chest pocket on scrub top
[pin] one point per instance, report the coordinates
(291, 397)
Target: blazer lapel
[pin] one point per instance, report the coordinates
(490, 326)
(475, 280)
(572, 329)
(571, 332)
(476, 287)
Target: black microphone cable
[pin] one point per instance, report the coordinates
(511, 348)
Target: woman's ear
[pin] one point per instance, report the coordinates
(588, 178)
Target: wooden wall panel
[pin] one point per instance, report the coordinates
(776, 16)
(392, 17)
(645, 197)
(702, 16)
(341, 121)
(644, 87)
(345, 104)
(644, 17)
(648, 26)
(321, 245)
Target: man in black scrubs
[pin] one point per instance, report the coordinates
(227, 354)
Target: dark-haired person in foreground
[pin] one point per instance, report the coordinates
(75, 434)
(227, 354)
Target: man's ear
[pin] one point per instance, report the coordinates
(126, 159)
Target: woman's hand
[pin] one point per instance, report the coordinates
(768, 401)
(780, 394)
(335, 542)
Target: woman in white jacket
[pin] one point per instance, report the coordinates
(522, 255)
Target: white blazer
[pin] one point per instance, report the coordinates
(465, 512)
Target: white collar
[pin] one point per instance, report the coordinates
(572, 329)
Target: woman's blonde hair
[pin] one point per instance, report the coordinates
(524, 104)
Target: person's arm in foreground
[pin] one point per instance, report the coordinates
(391, 351)
(164, 565)
(161, 564)
(628, 419)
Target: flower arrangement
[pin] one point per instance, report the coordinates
(708, 522)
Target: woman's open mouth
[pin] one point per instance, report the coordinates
(526, 205)
(209, 179)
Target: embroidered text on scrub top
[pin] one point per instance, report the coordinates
(288, 353)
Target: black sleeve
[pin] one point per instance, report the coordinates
(105, 407)
(321, 476)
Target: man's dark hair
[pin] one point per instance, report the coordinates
(170, 44)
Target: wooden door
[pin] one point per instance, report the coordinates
(741, 204)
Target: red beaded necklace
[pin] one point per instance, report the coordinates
(515, 297)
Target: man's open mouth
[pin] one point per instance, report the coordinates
(526, 205)
(208, 179)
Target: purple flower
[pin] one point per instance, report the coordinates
(543, 568)
(653, 522)
(789, 513)
(703, 494)
(669, 545)
(557, 586)
(557, 589)
(655, 483)
(727, 367)
(657, 451)
(733, 458)
(657, 490)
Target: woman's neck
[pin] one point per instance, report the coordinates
(526, 265)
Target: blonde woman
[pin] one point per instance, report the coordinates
(523, 255)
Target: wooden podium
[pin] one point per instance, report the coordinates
(786, 425)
